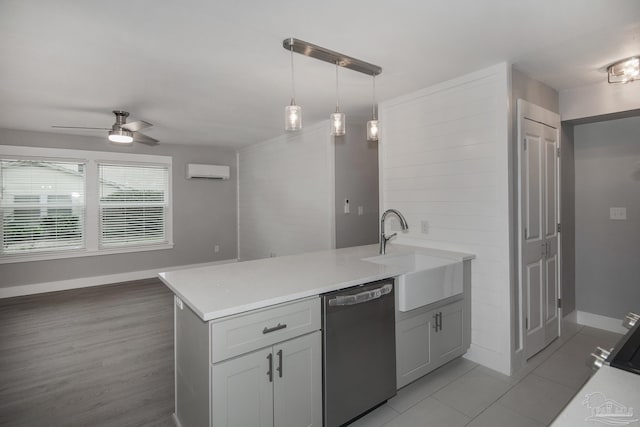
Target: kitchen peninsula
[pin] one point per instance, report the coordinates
(248, 334)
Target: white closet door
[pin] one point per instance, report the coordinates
(539, 219)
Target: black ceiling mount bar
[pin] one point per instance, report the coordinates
(318, 52)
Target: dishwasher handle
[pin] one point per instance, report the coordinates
(362, 297)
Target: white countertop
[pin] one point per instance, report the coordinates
(610, 397)
(222, 290)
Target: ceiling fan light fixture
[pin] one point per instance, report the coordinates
(121, 136)
(624, 71)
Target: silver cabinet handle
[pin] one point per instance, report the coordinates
(438, 321)
(270, 371)
(362, 297)
(279, 368)
(274, 328)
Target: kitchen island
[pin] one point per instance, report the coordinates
(237, 325)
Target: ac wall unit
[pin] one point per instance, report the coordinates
(197, 170)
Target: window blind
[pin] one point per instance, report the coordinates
(134, 201)
(42, 206)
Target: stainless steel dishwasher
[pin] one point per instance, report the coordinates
(359, 343)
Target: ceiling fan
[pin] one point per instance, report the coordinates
(122, 132)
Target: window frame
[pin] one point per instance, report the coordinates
(92, 222)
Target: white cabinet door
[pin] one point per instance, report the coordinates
(448, 339)
(413, 348)
(243, 391)
(297, 398)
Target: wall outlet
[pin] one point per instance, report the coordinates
(619, 214)
(360, 210)
(216, 249)
(424, 227)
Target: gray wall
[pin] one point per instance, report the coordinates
(607, 174)
(204, 214)
(356, 179)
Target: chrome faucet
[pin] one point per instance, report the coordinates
(384, 239)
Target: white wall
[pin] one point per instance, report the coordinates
(607, 174)
(444, 159)
(599, 99)
(286, 196)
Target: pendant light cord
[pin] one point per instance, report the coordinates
(293, 86)
(374, 106)
(337, 92)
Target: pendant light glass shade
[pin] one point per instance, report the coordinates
(292, 117)
(372, 125)
(372, 130)
(337, 120)
(292, 112)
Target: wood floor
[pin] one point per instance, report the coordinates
(100, 356)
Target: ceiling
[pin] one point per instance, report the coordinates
(215, 73)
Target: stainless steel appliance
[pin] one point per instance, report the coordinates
(358, 350)
(626, 353)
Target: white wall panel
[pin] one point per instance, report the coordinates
(444, 159)
(286, 196)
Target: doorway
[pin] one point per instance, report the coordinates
(538, 218)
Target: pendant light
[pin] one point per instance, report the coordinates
(337, 119)
(372, 125)
(292, 112)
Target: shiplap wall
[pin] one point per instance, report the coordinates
(286, 195)
(444, 159)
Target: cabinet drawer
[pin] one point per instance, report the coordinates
(262, 328)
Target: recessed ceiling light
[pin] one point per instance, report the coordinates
(624, 71)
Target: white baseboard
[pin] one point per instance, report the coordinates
(600, 322)
(488, 358)
(85, 282)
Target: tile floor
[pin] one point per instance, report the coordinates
(463, 393)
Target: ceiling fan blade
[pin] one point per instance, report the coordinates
(144, 139)
(79, 127)
(136, 126)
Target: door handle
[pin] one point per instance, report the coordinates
(440, 318)
(270, 371)
(362, 297)
(279, 369)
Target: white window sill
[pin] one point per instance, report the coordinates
(9, 259)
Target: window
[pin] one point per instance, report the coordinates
(63, 203)
(29, 189)
(133, 204)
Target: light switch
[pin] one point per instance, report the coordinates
(424, 227)
(618, 214)
(360, 210)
